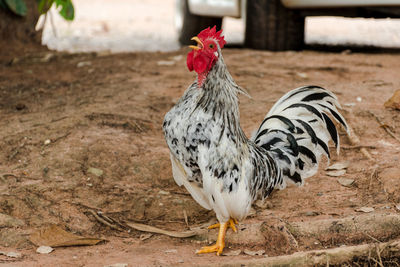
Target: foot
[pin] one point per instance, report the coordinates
(214, 248)
(231, 224)
(220, 244)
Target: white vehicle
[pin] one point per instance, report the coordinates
(273, 24)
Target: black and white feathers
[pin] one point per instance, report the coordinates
(224, 170)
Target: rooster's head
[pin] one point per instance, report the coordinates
(203, 56)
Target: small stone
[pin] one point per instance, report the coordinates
(47, 142)
(349, 104)
(162, 192)
(44, 250)
(83, 64)
(302, 75)
(95, 171)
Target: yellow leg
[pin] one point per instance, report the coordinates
(219, 246)
(232, 224)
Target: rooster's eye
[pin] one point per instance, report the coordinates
(211, 46)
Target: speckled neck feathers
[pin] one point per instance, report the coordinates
(220, 98)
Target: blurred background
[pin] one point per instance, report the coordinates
(134, 25)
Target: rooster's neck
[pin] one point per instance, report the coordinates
(219, 85)
(220, 98)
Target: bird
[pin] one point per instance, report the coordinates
(218, 164)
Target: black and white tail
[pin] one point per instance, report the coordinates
(297, 129)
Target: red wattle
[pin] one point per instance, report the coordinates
(200, 63)
(189, 60)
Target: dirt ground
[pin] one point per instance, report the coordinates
(62, 114)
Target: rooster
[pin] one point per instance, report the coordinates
(211, 156)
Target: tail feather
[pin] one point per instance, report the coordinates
(297, 130)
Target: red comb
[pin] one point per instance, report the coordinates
(212, 33)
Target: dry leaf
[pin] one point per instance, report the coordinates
(54, 236)
(336, 173)
(339, 166)
(365, 209)
(254, 253)
(346, 182)
(394, 101)
(152, 229)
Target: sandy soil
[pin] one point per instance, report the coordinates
(63, 114)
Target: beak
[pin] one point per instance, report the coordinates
(199, 43)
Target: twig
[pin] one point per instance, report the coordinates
(372, 175)
(378, 252)
(61, 137)
(59, 119)
(385, 126)
(356, 147)
(4, 175)
(186, 218)
(373, 238)
(104, 221)
(377, 262)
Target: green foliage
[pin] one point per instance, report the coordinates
(65, 7)
(18, 7)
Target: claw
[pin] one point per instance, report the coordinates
(214, 248)
(220, 244)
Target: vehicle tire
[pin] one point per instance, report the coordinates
(189, 25)
(271, 26)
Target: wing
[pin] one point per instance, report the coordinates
(180, 178)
